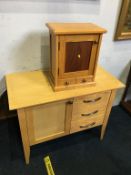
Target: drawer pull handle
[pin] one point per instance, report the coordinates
(86, 126)
(92, 101)
(83, 81)
(66, 83)
(89, 114)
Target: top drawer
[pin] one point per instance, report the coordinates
(90, 103)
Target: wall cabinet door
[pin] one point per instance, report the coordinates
(48, 121)
(77, 55)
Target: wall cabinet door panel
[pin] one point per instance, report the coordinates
(77, 55)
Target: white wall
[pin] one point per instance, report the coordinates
(24, 38)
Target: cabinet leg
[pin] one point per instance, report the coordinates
(24, 134)
(111, 99)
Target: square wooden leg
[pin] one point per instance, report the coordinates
(24, 134)
(111, 99)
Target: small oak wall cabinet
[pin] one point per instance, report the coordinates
(74, 54)
(45, 114)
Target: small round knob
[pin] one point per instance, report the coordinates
(78, 56)
(66, 83)
(83, 80)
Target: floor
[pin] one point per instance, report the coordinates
(78, 154)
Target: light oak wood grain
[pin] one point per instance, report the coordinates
(33, 88)
(44, 114)
(24, 134)
(108, 109)
(45, 122)
(70, 41)
(74, 28)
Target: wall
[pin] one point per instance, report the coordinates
(24, 38)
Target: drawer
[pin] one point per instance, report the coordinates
(84, 124)
(70, 81)
(89, 114)
(66, 82)
(83, 80)
(90, 105)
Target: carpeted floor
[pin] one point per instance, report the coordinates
(78, 154)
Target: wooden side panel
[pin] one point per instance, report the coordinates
(94, 63)
(48, 121)
(54, 57)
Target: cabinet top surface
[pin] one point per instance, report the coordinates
(74, 28)
(33, 88)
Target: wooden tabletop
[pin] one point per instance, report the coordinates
(74, 28)
(33, 88)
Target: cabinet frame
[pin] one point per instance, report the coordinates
(25, 93)
(23, 117)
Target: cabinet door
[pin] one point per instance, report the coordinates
(77, 55)
(48, 121)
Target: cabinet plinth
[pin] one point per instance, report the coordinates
(74, 49)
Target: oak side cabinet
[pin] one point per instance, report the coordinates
(74, 51)
(44, 114)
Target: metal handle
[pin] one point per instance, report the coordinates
(83, 80)
(89, 114)
(86, 126)
(92, 101)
